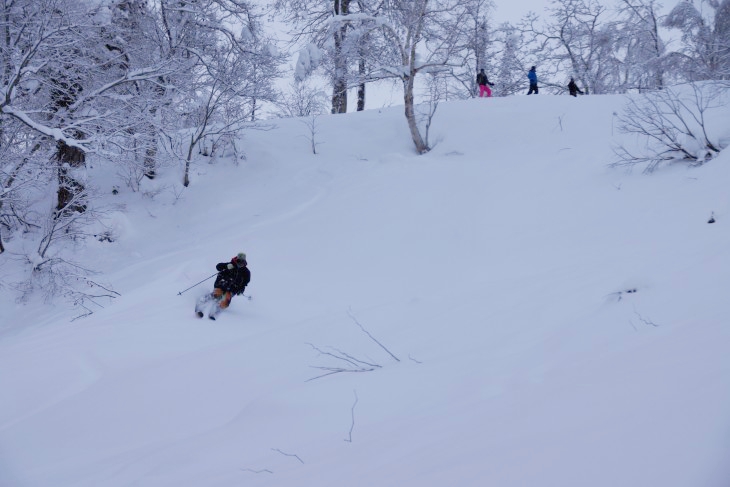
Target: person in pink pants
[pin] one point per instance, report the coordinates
(484, 84)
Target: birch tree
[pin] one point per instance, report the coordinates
(311, 22)
(577, 39)
(231, 70)
(414, 37)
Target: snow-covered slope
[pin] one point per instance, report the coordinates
(487, 284)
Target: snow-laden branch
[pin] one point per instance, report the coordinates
(54, 133)
(149, 73)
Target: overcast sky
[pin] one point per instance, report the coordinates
(514, 10)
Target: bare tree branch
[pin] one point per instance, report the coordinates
(288, 454)
(349, 313)
(352, 415)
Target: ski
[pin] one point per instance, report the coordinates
(205, 304)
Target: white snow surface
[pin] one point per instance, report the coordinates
(495, 269)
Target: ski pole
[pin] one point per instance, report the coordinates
(201, 282)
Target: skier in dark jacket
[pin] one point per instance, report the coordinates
(573, 88)
(232, 279)
(484, 84)
(532, 76)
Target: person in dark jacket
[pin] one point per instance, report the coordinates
(232, 279)
(532, 76)
(573, 88)
(484, 84)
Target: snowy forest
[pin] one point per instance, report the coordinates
(144, 85)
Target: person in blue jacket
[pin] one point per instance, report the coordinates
(532, 76)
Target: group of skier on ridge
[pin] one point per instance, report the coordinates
(484, 84)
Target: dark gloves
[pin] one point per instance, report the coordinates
(491, 84)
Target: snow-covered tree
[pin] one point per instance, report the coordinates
(113, 81)
(60, 104)
(303, 99)
(705, 29)
(66, 86)
(513, 60)
(232, 67)
(413, 37)
(640, 42)
(479, 46)
(323, 40)
(577, 42)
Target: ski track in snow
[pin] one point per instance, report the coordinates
(88, 372)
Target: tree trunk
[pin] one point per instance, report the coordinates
(361, 86)
(70, 189)
(361, 64)
(421, 146)
(150, 157)
(186, 177)
(659, 74)
(480, 50)
(150, 153)
(339, 82)
(69, 159)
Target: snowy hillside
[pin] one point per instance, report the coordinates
(532, 317)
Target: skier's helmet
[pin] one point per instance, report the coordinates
(240, 259)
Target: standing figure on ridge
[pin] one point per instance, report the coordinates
(484, 84)
(532, 76)
(573, 88)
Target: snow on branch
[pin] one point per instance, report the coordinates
(55, 133)
(309, 58)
